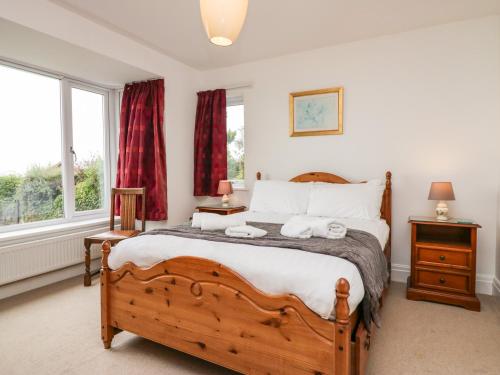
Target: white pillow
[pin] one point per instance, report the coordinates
(360, 201)
(280, 197)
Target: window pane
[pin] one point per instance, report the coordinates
(235, 143)
(88, 145)
(30, 147)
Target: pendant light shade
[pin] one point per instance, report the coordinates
(223, 19)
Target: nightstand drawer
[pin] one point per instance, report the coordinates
(443, 257)
(443, 281)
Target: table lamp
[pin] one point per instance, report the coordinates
(225, 188)
(442, 192)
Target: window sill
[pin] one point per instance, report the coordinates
(240, 188)
(38, 233)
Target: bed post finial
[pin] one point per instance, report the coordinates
(341, 305)
(106, 249)
(259, 176)
(387, 208)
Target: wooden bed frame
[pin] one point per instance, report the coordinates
(207, 310)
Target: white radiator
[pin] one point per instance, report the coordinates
(27, 259)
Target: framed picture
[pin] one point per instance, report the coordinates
(316, 112)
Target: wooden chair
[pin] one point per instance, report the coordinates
(128, 204)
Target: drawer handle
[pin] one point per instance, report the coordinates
(442, 257)
(442, 280)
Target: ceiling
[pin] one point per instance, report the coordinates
(273, 27)
(25, 45)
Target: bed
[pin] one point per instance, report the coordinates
(205, 308)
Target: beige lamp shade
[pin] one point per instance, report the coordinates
(441, 191)
(225, 187)
(223, 19)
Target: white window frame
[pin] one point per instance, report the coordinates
(110, 148)
(234, 99)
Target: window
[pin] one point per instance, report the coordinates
(30, 147)
(235, 140)
(88, 149)
(54, 163)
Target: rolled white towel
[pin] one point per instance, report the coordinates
(198, 217)
(335, 230)
(324, 227)
(220, 222)
(245, 231)
(296, 230)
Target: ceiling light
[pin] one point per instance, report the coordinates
(223, 19)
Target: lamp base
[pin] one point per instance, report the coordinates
(442, 211)
(225, 200)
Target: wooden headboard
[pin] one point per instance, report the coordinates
(385, 209)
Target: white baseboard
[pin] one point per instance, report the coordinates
(496, 286)
(36, 282)
(400, 273)
(484, 283)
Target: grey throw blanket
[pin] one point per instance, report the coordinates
(358, 247)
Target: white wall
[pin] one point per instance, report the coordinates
(180, 83)
(423, 104)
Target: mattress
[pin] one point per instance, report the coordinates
(309, 276)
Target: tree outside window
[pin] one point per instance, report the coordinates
(235, 143)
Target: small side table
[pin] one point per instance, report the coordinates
(443, 262)
(221, 210)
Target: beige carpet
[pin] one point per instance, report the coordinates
(55, 330)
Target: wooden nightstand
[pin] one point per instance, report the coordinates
(219, 209)
(443, 262)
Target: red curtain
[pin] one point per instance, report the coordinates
(141, 158)
(210, 142)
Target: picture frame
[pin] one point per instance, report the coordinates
(317, 112)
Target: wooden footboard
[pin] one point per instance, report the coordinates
(205, 309)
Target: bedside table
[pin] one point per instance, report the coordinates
(443, 262)
(219, 209)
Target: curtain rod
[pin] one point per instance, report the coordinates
(236, 86)
(145, 80)
(243, 85)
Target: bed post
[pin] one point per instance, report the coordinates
(106, 329)
(388, 218)
(342, 329)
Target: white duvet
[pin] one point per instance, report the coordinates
(309, 276)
